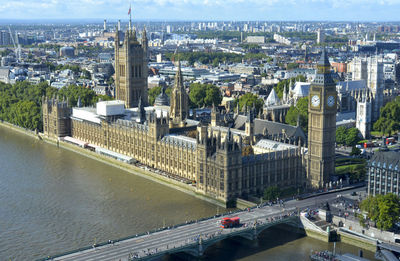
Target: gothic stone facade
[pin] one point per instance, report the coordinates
(131, 68)
(56, 117)
(217, 166)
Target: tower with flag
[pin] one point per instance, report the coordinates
(131, 66)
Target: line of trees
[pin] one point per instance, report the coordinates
(298, 112)
(384, 210)
(347, 136)
(215, 58)
(389, 120)
(20, 103)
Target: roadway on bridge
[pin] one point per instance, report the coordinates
(189, 234)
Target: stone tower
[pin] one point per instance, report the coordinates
(179, 105)
(131, 68)
(322, 110)
(363, 114)
(56, 117)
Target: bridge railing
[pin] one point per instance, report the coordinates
(205, 239)
(143, 234)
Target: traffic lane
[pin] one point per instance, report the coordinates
(208, 227)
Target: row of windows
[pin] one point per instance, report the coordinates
(136, 71)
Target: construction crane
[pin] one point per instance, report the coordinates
(17, 49)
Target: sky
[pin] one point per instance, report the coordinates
(228, 10)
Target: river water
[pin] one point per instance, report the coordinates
(53, 200)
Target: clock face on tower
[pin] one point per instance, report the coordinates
(315, 100)
(331, 101)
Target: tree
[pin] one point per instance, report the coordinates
(298, 112)
(213, 95)
(86, 75)
(389, 120)
(355, 151)
(281, 85)
(341, 135)
(272, 193)
(25, 114)
(249, 99)
(352, 136)
(384, 210)
(348, 137)
(204, 95)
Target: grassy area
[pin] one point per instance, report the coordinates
(378, 134)
(349, 161)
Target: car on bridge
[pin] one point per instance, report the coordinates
(230, 222)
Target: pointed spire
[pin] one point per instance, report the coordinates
(323, 60)
(141, 111)
(179, 78)
(284, 94)
(130, 16)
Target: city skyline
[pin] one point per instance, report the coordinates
(237, 10)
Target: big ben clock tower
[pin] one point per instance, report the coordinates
(321, 125)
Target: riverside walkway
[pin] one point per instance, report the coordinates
(192, 238)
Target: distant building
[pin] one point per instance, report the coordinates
(255, 39)
(67, 51)
(320, 36)
(371, 71)
(5, 75)
(383, 173)
(281, 39)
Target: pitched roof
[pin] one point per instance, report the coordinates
(272, 99)
(388, 157)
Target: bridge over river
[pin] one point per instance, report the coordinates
(192, 238)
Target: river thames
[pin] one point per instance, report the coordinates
(53, 200)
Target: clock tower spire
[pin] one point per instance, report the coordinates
(322, 110)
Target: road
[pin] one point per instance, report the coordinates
(156, 242)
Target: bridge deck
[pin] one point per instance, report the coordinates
(179, 238)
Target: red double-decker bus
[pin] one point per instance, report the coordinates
(230, 222)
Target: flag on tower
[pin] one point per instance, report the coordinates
(129, 12)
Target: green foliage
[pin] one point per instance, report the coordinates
(51, 66)
(348, 161)
(5, 52)
(356, 172)
(249, 46)
(214, 58)
(281, 85)
(272, 193)
(300, 111)
(86, 75)
(21, 103)
(389, 120)
(341, 135)
(204, 95)
(352, 136)
(75, 68)
(349, 137)
(355, 151)
(155, 91)
(249, 99)
(291, 66)
(382, 209)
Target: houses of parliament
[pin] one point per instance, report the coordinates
(212, 155)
